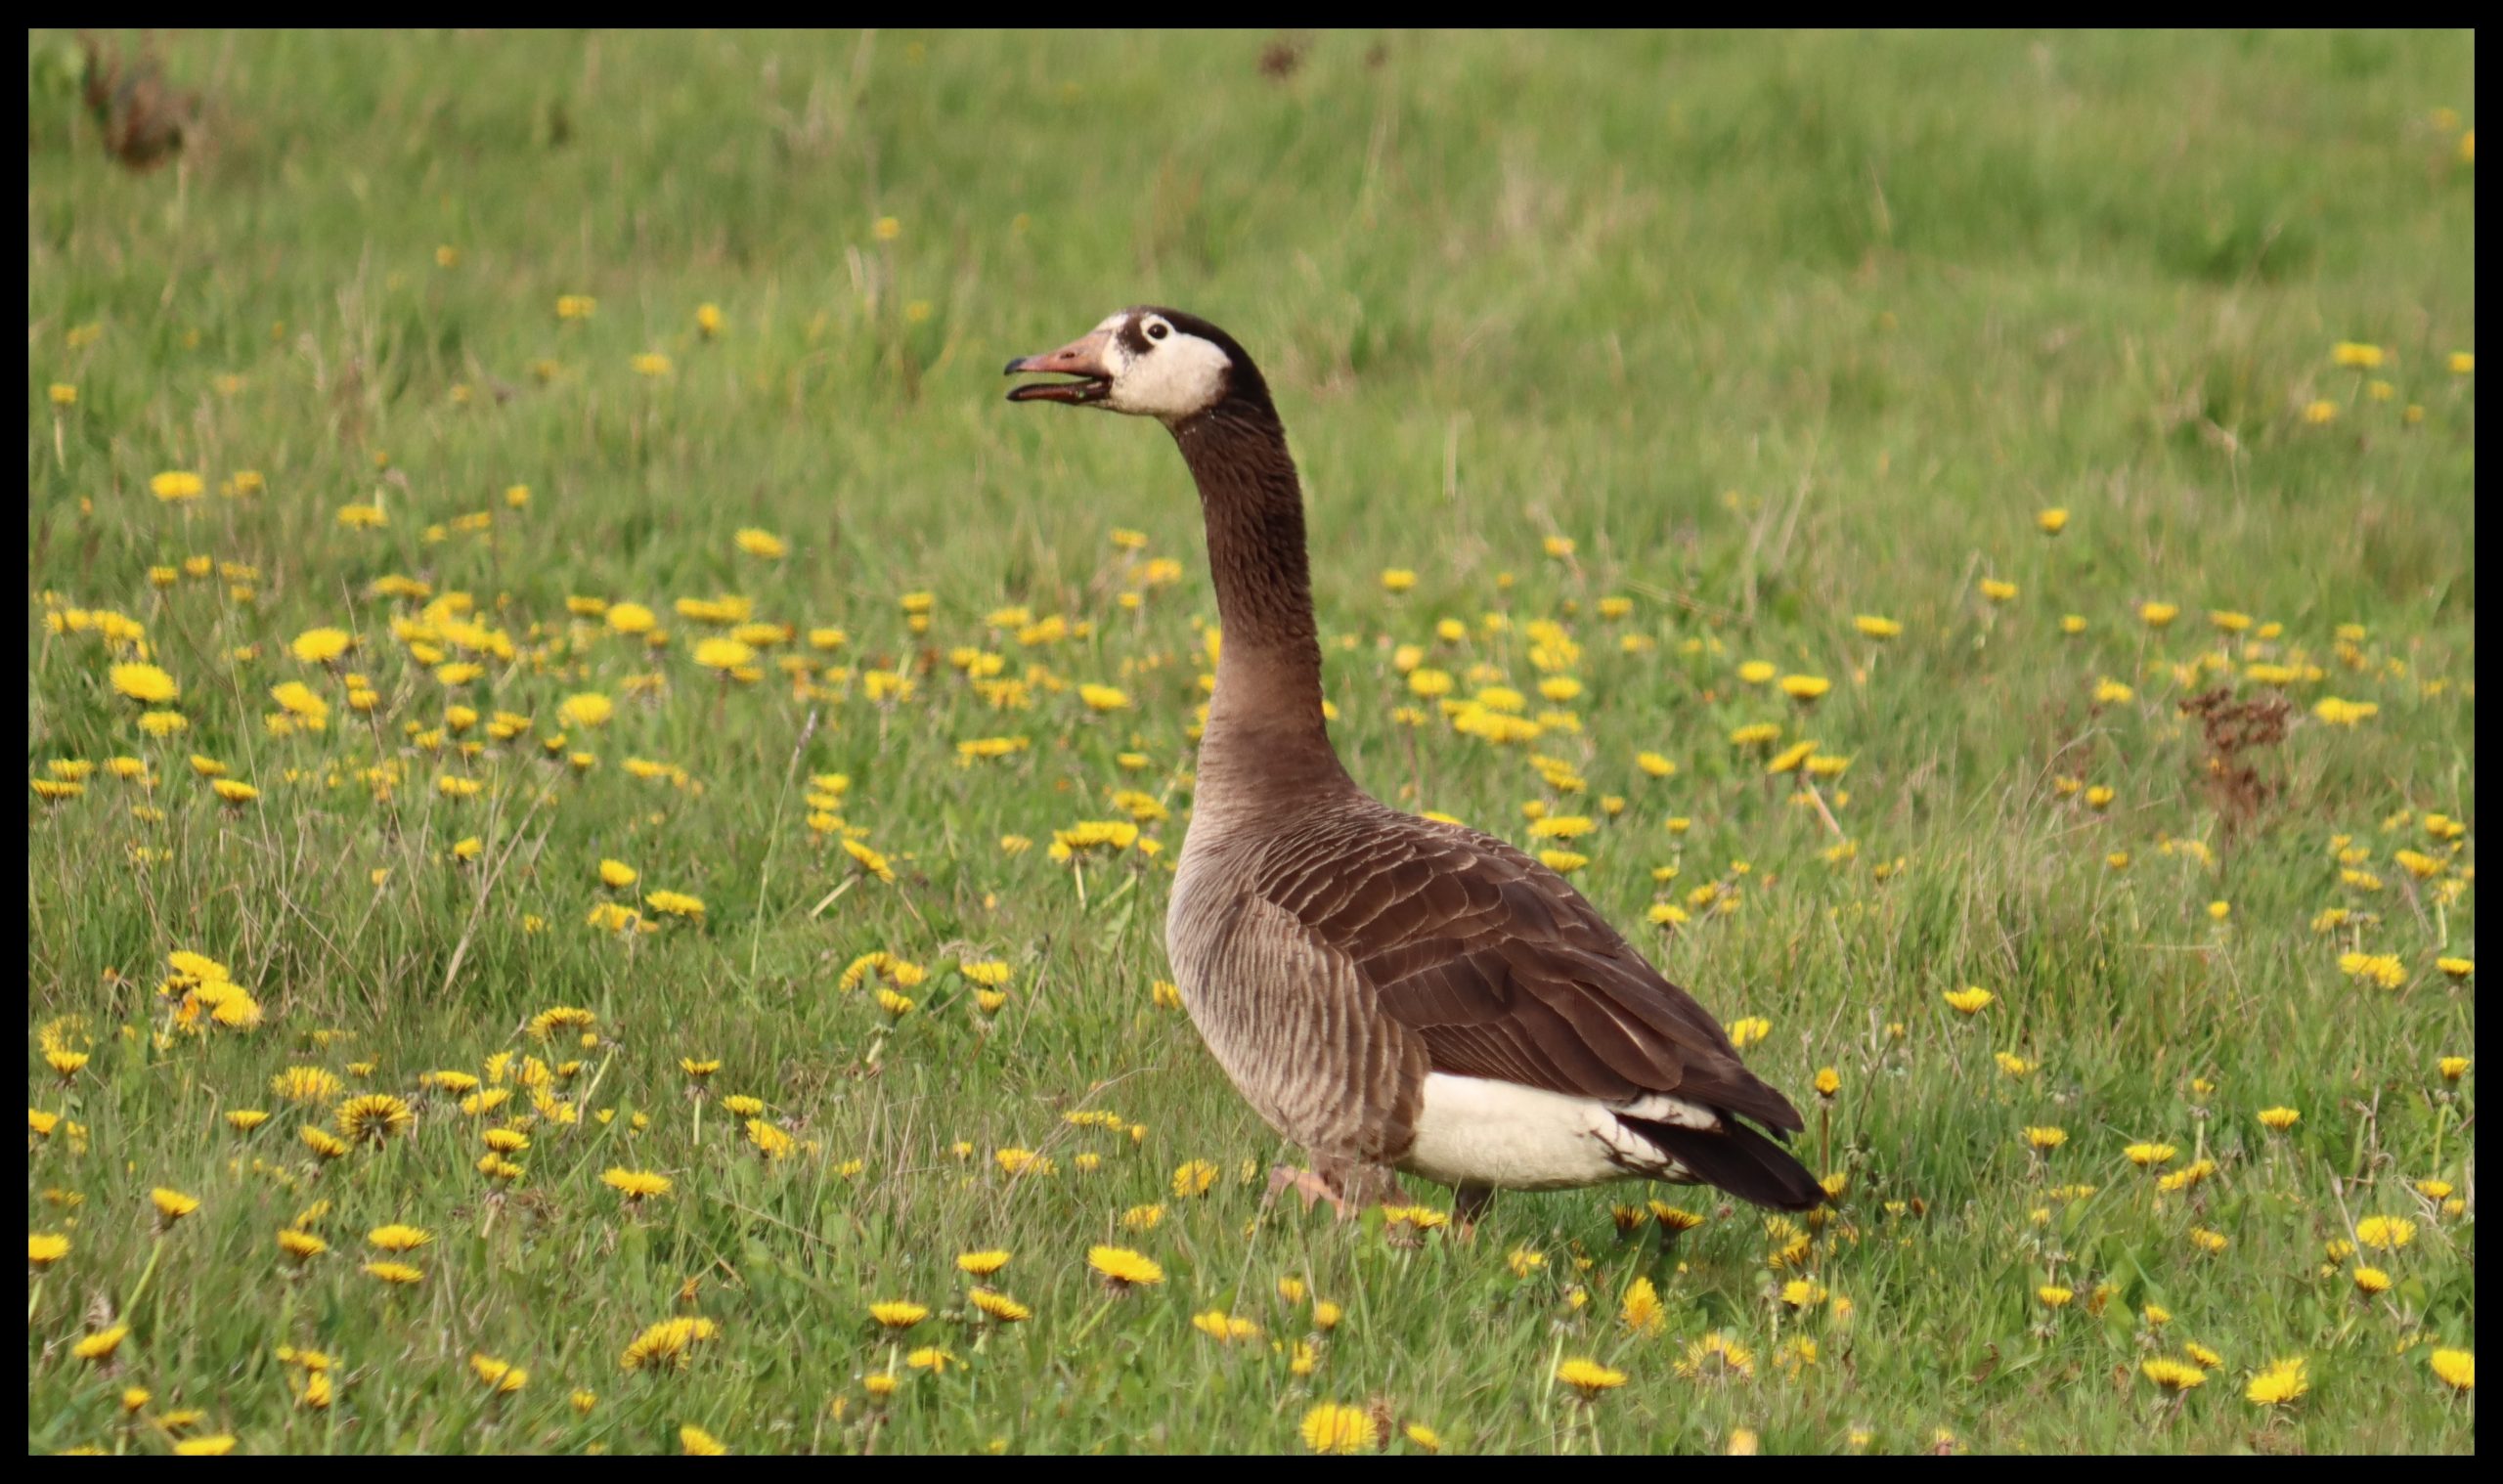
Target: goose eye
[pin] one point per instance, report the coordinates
(1157, 330)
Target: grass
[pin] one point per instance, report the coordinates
(1775, 331)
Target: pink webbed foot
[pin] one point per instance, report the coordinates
(1311, 1187)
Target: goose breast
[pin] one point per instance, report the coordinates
(1292, 1023)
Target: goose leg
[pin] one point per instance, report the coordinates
(1311, 1187)
(1469, 1203)
(1348, 1185)
(1361, 1184)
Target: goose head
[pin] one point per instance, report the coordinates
(1149, 363)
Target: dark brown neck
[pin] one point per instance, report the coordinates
(1265, 734)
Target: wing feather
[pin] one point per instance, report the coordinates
(1503, 968)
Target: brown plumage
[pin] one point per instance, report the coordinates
(1391, 992)
(142, 120)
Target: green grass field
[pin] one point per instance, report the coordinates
(1666, 364)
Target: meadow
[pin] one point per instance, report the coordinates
(600, 807)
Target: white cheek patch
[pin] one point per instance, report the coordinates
(1180, 376)
(1117, 356)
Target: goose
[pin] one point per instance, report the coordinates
(1394, 995)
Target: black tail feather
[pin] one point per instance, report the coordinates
(1739, 1160)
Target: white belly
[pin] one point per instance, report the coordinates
(1477, 1131)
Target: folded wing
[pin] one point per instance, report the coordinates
(1506, 972)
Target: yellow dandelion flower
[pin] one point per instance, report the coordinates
(1332, 1428)
(1641, 1311)
(670, 1343)
(999, 1306)
(768, 1140)
(869, 860)
(933, 1358)
(2385, 1234)
(982, 1264)
(2282, 1382)
(145, 684)
(500, 1376)
(725, 656)
(102, 1345)
(1673, 1220)
(1123, 1268)
(374, 1116)
(1223, 1327)
(674, 904)
(636, 1185)
(320, 647)
(1790, 759)
(1588, 1376)
(2173, 1376)
(1715, 1357)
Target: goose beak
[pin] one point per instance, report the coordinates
(1082, 358)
